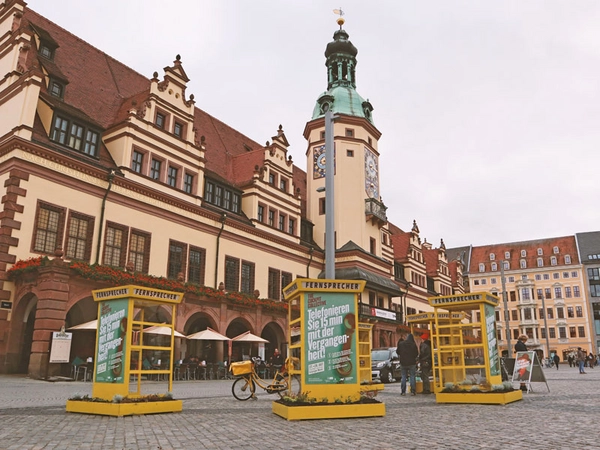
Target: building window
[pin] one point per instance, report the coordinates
(322, 206)
(574, 275)
(576, 292)
(222, 196)
(506, 265)
(274, 286)
(172, 176)
(349, 132)
(139, 251)
(552, 332)
(232, 274)
(160, 120)
(176, 263)
(494, 267)
(540, 252)
(581, 331)
(155, 167)
(558, 292)
(178, 129)
(555, 250)
(196, 265)
(291, 226)
(322, 135)
(283, 184)
(572, 332)
(48, 228)
(567, 259)
(540, 262)
(271, 217)
(261, 213)
(271, 179)
(570, 312)
(492, 256)
(546, 276)
(578, 311)
(550, 312)
(115, 243)
(483, 280)
(227, 199)
(188, 183)
(281, 222)
(513, 296)
(56, 89)
(136, 161)
(556, 275)
(562, 332)
(60, 130)
(90, 146)
(538, 277)
(373, 246)
(560, 313)
(525, 294)
(481, 267)
(523, 264)
(46, 51)
(523, 253)
(286, 278)
(541, 313)
(527, 313)
(516, 333)
(568, 292)
(79, 237)
(511, 279)
(543, 336)
(350, 153)
(247, 277)
(209, 192)
(514, 314)
(476, 282)
(506, 255)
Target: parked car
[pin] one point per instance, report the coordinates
(385, 365)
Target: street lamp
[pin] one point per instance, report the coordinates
(546, 326)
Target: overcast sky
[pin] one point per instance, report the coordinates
(490, 111)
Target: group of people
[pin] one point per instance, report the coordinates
(410, 355)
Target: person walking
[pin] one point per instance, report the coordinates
(580, 359)
(425, 361)
(521, 347)
(556, 360)
(407, 354)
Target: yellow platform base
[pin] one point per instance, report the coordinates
(340, 411)
(124, 409)
(490, 398)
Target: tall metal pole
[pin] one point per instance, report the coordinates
(329, 209)
(506, 314)
(546, 326)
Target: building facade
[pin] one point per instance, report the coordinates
(589, 251)
(111, 177)
(544, 293)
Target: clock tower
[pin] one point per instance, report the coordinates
(359, 211)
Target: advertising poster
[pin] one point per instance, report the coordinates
(490, 326)
(523, 366)
(112, 334)
(61, 347)
(330, 352)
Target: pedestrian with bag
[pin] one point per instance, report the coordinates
(407, 354)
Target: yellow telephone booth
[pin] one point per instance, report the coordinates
(465, 353)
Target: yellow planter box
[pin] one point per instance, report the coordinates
(123, 409)
(338, 411)
(487, 398)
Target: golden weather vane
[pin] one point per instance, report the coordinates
(340, 13)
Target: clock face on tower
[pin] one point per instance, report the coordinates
(319, 162)
(371, 174)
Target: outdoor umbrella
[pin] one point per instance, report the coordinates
(91, 325)
(165, 331)
(249, 337)
(208, 335)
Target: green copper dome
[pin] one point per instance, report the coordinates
(341, 96)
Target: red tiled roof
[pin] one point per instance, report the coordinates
(566, 246)
(401, 243)
(431, 260)
(244, 166)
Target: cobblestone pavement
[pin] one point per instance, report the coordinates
(32, 416)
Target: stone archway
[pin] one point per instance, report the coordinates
(209, 351)
(241, 350)
(273, 333)
(83, 344)
(21, 334)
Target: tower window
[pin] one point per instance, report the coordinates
(350, 153)
(349, 132)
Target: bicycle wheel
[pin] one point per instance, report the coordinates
(295, 387)
(243, 388)
(292, 389)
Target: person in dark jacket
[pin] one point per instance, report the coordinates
(407, 354)
(425, 361)
(556, 360)
(521, 347)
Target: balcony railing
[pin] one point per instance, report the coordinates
(374, 209)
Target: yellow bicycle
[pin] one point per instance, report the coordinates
(244, 387)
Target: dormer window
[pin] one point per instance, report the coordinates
(46, 51)
(482, 267)
(567, 259)
(540, 262)
(555, 250)
(492, 256)
(494, 267)
(222, 196)
(540, 252)
(506, 255)
(77, 136)
(523, 253)
(55, 89)
(523, 264)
